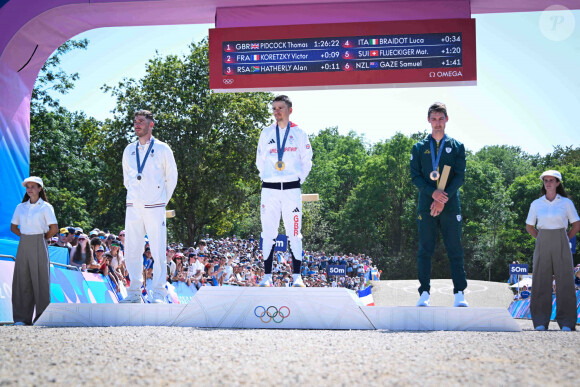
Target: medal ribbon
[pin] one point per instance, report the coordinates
(281, 150)
(139, 165)
(434, 161)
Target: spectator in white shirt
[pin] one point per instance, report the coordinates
(34, 222)
(547, 221)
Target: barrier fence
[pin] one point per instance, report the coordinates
(521, 308)
(72, 286)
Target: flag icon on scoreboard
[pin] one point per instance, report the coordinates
(254, 46)
(255, 69)
(256, 57)
(374, 65)
(374, 53)
(373, 42)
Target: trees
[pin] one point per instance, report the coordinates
(368, 203)
(61, 144)
(213, 137)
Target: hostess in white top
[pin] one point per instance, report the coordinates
(34, 218)
(552, 215)
(297, 155)
(158, 178)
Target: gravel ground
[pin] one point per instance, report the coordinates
(212, 357)
(187, 356)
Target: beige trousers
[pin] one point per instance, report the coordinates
(31, 280)
(552, 256)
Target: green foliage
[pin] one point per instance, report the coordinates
(54, 80)
(511, 161)
(62, 147)
(367, 201)
(213, 137)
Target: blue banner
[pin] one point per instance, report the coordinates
(338, 270)
(6, 273)
(521, 308)
(281, 243)
(55, 253)
(518, 269)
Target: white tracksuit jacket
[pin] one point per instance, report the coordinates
(146, 201)
(288, 203)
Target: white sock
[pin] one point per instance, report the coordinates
(295, 276)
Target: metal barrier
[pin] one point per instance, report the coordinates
(71, 267)
(67, 266)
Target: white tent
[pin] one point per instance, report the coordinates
(524, 282)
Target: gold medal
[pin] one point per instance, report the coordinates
(279, 165)
(434, 175)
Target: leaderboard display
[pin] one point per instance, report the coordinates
(401, 53)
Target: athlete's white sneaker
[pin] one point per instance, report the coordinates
(297, 282)
(159, 297)
(460, 300)
(424, 299)
(266, 282)
(132, 298)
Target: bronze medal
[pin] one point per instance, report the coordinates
(434, 175)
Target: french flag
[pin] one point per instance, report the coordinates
(281, 259)
(366, 296)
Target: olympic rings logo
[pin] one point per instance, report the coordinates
(272, 313)
(228, 81)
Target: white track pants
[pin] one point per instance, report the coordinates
(138, 222)
(287, 203)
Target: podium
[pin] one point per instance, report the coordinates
(230, 307)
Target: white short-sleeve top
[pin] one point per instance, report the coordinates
(552, 215)
(34, 218)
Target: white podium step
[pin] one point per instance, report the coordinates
(278, 308)
(109, 315)
(436, 318)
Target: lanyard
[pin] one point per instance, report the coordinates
(139, 165)
(434, 161)
(281, 150)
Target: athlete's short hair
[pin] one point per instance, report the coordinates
(146, 113)
(438, 107)
(283, 98)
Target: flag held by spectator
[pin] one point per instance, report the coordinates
(366, 296)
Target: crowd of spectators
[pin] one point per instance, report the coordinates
(210, 262)
(525, 291)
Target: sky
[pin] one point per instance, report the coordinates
(527, 92)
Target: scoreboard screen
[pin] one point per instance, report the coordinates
(374, 54)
